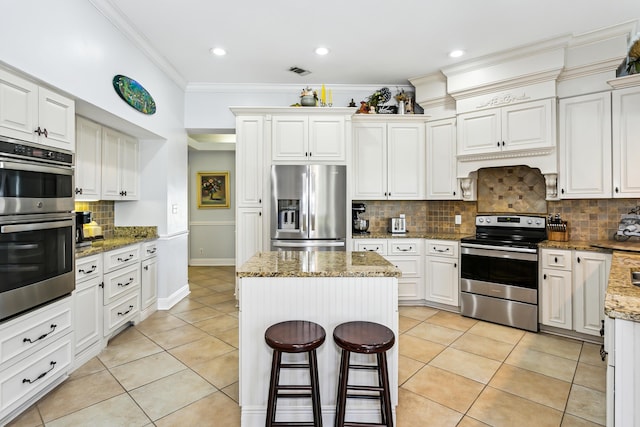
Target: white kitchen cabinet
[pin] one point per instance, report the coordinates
(590, 278)
(442, 181)
(626, 144)
(87, 303)
(88, 169)
(308, 138)
(249, 233)
(442, 273)
(518, 127)
(585, 147)
(249, 161)
(36, 114)
(121, 298)
(120, 176)
(556, 289)
(388, 160)
(148, 280)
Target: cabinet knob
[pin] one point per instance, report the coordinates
(454, 193)
(310, 154)
(503, 143)
(498, 144)
(146, 267)
(544, 277)
(578, 260)
(455, 265)
(555, 260)
(260, 201)
(78, 190)
(562, 190)
(616, 189)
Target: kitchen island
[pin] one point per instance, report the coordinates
(327, 288)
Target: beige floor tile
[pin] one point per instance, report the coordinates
(414, 410)
(406, 323)
(418, 313)
(469, 365)
(71, 396)
(224, 287)
(146, 370)
(406, 368)
(452, 320)
(573, 421)
(200, 351)
(230, 336)
(558, 346)
(542, 363)
(418, 349)
(498, 409)
(171, 393)
(591, 354)
(221, 371)
(92, 366)
(217, 406)
(483, 346)
(230, 306)
(497, 332)
(435, 333)
(157, 324)
(129, 334)
(591, 376)
(448, 389)
(218, 324)
(199, 314)
(530, 385)
(200, 292)
(587, 403)
(29, 418)
(120, 410)
(178, 336)
(470, 422)
(216, 298)
(185, 305)
(115, 355)
(233, 391)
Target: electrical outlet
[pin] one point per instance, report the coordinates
(458, 219)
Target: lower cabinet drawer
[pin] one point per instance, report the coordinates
(121, 311)
(119, 282)
(371, 245)
(21, 381)
(32, 331)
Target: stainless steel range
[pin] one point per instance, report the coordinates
(499, 270)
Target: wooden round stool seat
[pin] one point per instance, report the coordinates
(294, 336)
(365, 338)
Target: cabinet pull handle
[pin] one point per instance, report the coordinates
(578, 260)
(125, 259)
(93, 268)
(126, 284)
(544, 277)
(404, 250)
(555, 260)
(41, 132)
(603, 354)
(602, 328)
(43, 336)
(78, 190)
(440, 250)
(126, 312)
(101, 284)
(53, 365)
(151, 251)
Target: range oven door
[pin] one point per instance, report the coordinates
(28, 187)
(36, 261)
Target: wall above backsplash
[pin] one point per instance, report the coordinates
(511, 189)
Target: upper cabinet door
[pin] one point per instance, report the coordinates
(18, 107)
(88, 171)
(327, 138)
(129, 165)
(290, 138)
(442, 182)
(479, 132)
(369, 161)
(585, 147)
(528, 125)
(406, 161)
(56, 115)
(626, 143)
(249, 161)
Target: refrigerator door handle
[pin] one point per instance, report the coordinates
(307, 244)
(312, 200)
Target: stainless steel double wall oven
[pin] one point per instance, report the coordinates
(37, 245)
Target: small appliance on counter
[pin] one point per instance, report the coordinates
(629, 225)
(397, 225)
(86, 229)
(359, 226)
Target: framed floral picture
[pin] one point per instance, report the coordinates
(213, 189)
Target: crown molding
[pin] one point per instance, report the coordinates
(283, 87)
(589, 70)
(126, 27)
(625, 82)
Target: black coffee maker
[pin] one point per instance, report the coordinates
(359, 226)
(82, 217)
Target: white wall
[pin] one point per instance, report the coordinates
(211, 230)
(71, 47)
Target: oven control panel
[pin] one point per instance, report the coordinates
(14, 148)
(520, 221)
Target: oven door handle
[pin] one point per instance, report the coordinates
(496, 252)
(36, 168)
(18, 228)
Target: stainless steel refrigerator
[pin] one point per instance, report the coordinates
(308, 207)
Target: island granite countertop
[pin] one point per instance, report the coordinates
(622, 299)
(317, 264)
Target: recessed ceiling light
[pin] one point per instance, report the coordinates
(322, 51)
(456, 53)
(218, 51)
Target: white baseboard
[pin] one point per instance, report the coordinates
(211, 262)
(174, 298)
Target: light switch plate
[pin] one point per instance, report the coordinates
(458, 219)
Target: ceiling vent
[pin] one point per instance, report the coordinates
(299, 71)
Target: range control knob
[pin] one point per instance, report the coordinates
(538, 222)
(529, 222)
(488, 220)
(480, 220)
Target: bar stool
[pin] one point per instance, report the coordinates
(294, 336)
(365, 338)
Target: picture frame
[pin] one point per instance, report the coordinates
(213, 189)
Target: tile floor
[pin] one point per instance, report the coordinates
(180, 367)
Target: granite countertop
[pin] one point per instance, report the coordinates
(622, 299)
(317, 264)
(411, 235)
(123, 236)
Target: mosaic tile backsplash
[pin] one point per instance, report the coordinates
(517, 189)
(102, 212)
